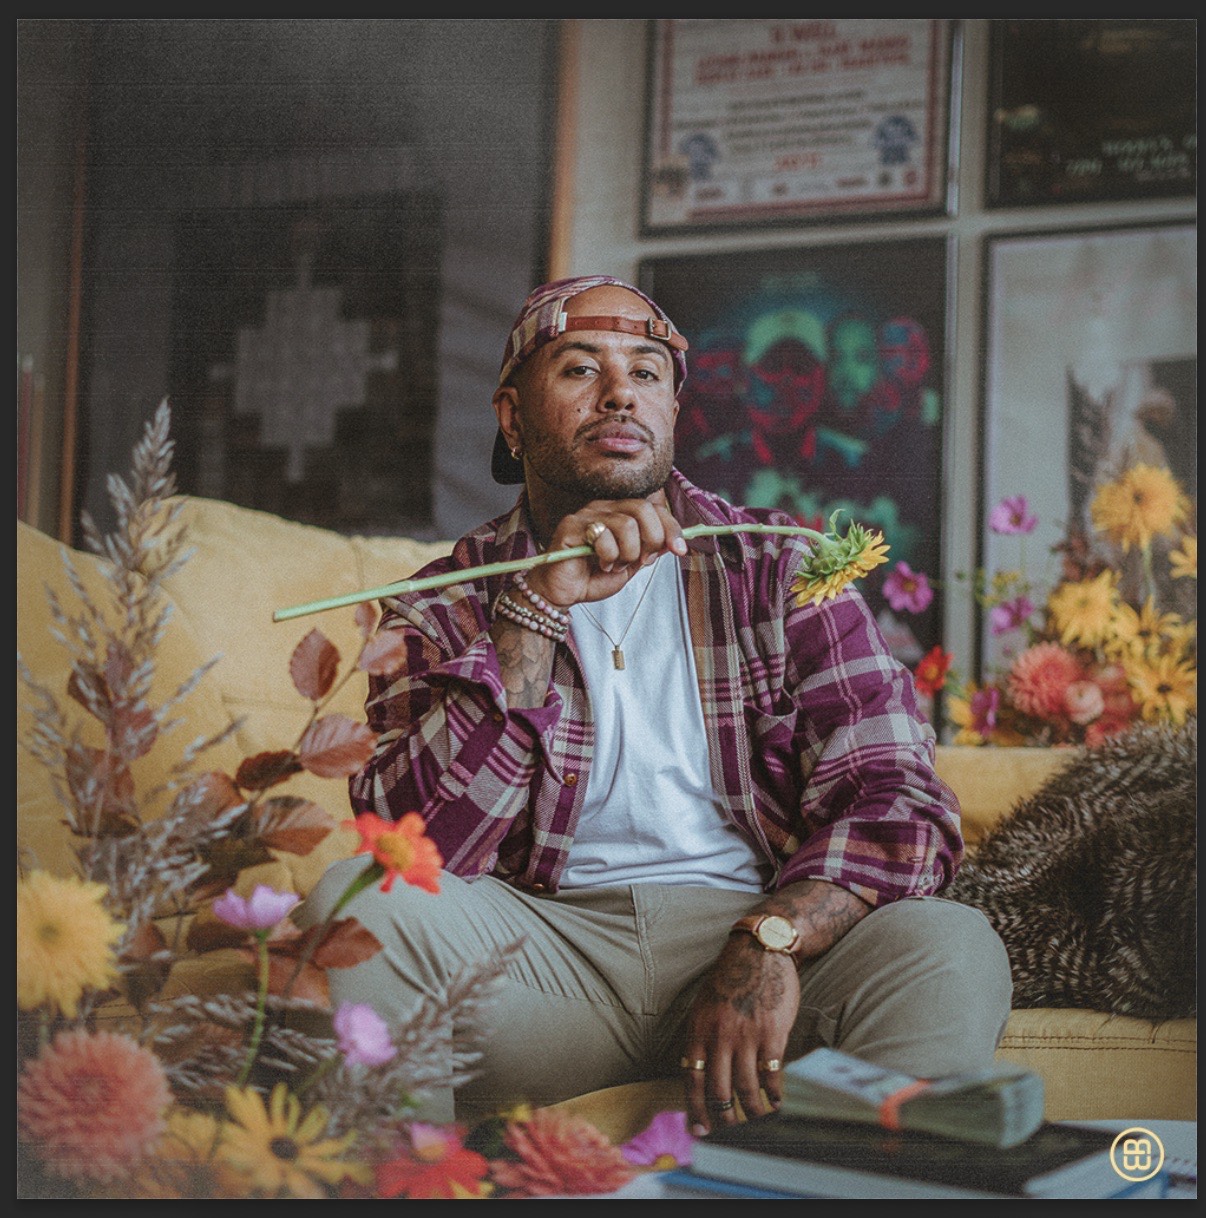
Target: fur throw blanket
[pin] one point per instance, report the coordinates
(1091, 881)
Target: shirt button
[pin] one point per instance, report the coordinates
(537, 888)
(497, 716)
(571, 780)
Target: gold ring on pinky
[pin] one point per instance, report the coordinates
(594, 532)
(771, 1066)
(697, 1063)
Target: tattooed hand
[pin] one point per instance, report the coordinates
(747, 1003)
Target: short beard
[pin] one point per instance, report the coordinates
(621, 480)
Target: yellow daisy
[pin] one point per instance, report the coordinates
(280, 1151)
(1185, 560)
(1144, 501)
(65, 939)
(1082, 611)
(1140, 632)
(1165, 689)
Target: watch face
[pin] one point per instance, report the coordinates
(776, 933)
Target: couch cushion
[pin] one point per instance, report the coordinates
(1098, 1066)
(248, 564)
(989, 781)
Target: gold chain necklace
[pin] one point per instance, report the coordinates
(617, 645)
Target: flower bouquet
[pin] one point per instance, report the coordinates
(1094, 651)
(131, 1086)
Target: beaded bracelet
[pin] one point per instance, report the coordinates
(529, 620)
(558, 615)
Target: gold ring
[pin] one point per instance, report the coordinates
(697, 1063)
(771, 1066)
(594, 532)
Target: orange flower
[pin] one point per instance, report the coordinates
(433, 1165)
(559, 1153)
(1039, 680)
(932, 668)
(401, 849)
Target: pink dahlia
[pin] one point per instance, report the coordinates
(1085, 702)
(92, 1104)
(559, 1153)
(1039, 680)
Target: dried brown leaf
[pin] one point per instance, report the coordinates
(383, 654)
(314, 665)
(134, 729)
(267, 769)
(89, 689)
(336, 747)
(366, 619)
(103, 790)
(214, 793)
(293, 824)
(208, 933)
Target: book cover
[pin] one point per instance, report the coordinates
(821, 1157)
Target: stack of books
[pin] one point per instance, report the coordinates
(850, 1130)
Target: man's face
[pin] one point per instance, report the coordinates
(594, 410)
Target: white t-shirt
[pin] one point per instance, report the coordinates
(656, 816)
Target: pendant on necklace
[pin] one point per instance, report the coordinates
(617, 657)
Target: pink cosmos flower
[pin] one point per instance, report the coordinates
(1012, 515)
(1010, 615)
(906, 590)
(663, 1145)
(983, 705)
(260, 911)
(363, 1035)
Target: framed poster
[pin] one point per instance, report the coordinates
(767, 121)
(817, 381)
(1086, 111)
(1090, 367)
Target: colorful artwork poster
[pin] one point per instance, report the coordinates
(816, 383)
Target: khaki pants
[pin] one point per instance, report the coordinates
(599, 993)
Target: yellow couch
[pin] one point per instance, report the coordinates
(246, 564)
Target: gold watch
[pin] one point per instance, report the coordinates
(773, 932)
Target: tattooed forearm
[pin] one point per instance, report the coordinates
(525, 662)
(820, 911)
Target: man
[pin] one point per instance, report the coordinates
(709, 812)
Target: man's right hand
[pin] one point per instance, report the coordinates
(634, 533)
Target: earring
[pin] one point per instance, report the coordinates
(516, 453)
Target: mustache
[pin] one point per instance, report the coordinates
(588, 431)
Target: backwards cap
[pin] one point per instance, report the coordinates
(542, 318)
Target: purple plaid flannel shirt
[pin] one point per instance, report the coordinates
(818, 750)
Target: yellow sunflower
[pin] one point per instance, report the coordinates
(65, 939)
(836, 562)
(1146, 500)
(1082, 611)
(281, 1152)
(1185, 560)
(1165, 688)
